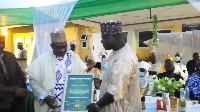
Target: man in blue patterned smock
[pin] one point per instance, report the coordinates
(49, 71)
(120, 88)
(193, 82)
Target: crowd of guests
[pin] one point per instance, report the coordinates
(172, 68)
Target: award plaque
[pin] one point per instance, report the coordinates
(78, 93)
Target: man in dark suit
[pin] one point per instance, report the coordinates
(12, 81)
(191, 64)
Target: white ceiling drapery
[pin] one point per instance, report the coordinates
(45, 20)
(7, 4)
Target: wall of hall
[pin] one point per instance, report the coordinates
(24, 34)
(11, 31)
(73, 33)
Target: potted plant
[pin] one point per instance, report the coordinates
(166, 86)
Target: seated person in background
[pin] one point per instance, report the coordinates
(191, 64)
(169, 67)
(98, 80)
(143, 66)
(183, 68)
(145, 79)
(91, 67)
(177, 69)
(154, 64)
(193, 83)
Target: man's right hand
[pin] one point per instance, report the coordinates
(50, 102)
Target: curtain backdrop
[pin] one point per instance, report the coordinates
(186, 43)
(45, 20)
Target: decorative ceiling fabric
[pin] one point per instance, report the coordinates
(14, 15)
(46, 19)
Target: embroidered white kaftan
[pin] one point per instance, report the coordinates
(42, 72)
(122, 81)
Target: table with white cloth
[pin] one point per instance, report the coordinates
(151, 105)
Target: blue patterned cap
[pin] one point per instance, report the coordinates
(112, 27)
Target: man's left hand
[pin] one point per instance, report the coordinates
(22, 92)
(92, 108)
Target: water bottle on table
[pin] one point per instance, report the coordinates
(187, 93)
(182, 103)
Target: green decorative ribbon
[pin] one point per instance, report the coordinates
(155, 26)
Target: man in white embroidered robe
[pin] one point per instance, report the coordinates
(49, 71)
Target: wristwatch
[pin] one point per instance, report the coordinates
(96, 107)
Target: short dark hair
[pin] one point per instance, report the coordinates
(196, 53)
